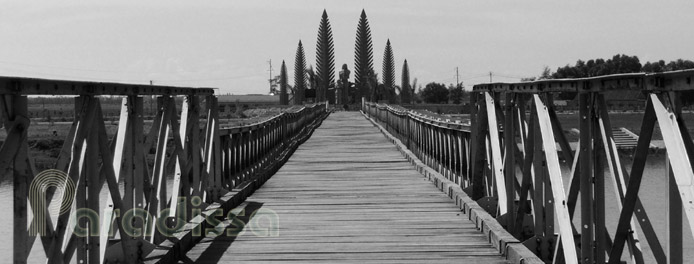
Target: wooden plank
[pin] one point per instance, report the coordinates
(359, 200)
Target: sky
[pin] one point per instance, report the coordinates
(227, 44)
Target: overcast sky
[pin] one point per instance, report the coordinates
(227, 44)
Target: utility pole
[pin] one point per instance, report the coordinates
(490, 77)
(151, 99)
(457, 77)
(270, 79)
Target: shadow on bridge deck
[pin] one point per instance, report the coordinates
(347, 194)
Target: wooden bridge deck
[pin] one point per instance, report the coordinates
(347, 194)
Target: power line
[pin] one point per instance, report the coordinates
(475, 77)
(508, 76)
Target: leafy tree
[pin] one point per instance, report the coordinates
(416, 92)
(405, 89)
(325, 58)
(363, 58)
(680, 65)
(619, 63)
(284, 98)
(435, 93)
(546, 73)
(455, 93)
(660, 66)
(299, 75)
(389, 73)
(372, 86)
(312, 82)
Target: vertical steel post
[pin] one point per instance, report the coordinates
(510, 161)
(139, 173)
(93, 181)
(674, 207)
(477, 146)
(18, 111)
(599, 178)
(586, 179)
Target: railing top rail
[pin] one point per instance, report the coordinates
(662, 81)
(439, 122)
(245, 128)
(35, 86)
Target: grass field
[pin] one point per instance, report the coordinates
(51, 119)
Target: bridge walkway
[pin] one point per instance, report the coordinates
(348, 195)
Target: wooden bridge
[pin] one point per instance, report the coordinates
(359, 200)
(382, 185)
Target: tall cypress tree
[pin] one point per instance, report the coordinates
(363, 58)
(299, 75)
(284, 99)
(405, 85)
(389, 73)
(325, 58)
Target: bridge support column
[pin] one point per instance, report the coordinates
(15, 162)
(478, 118)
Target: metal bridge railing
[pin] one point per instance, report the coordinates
(508, 160)
(143, 210)
(441, 144)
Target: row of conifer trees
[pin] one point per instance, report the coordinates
(320, 85)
